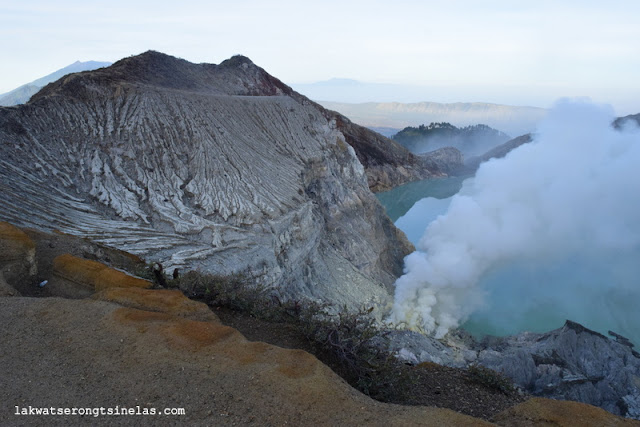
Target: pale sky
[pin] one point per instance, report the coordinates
(518, 52)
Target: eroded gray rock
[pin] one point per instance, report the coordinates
(413, 347)
(570, 363)
(220, 168)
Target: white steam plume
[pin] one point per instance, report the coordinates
(570, 197)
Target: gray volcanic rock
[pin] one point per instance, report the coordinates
(572, 363)
(448, 160)
(217, 167)
(387, 163)
(569, 363)
(414, 348)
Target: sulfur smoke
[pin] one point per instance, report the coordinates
(551, 229)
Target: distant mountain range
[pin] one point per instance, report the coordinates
(381, 105)
(512, 120)
(23, 93)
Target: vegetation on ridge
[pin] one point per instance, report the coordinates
(471, 140)
(351, 343)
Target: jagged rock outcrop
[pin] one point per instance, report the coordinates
(217, 167)
(572, 363)
(414, 348)
(569, 363)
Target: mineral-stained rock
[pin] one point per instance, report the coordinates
(88, 353)
(75, 277)
(158, 300)
(221, 168)
(144, 349)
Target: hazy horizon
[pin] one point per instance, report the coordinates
(497, 51)
(346, 90)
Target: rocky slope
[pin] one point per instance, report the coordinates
(387, 163)
(570, 363)
(217, 167)
(147, 350)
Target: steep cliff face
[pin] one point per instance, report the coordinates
(217, 167)
(387, 163)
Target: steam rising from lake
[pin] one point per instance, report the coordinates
(548, 233)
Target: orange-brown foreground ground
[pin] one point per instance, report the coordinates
(130, 347)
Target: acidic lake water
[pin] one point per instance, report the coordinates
(526, 295)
